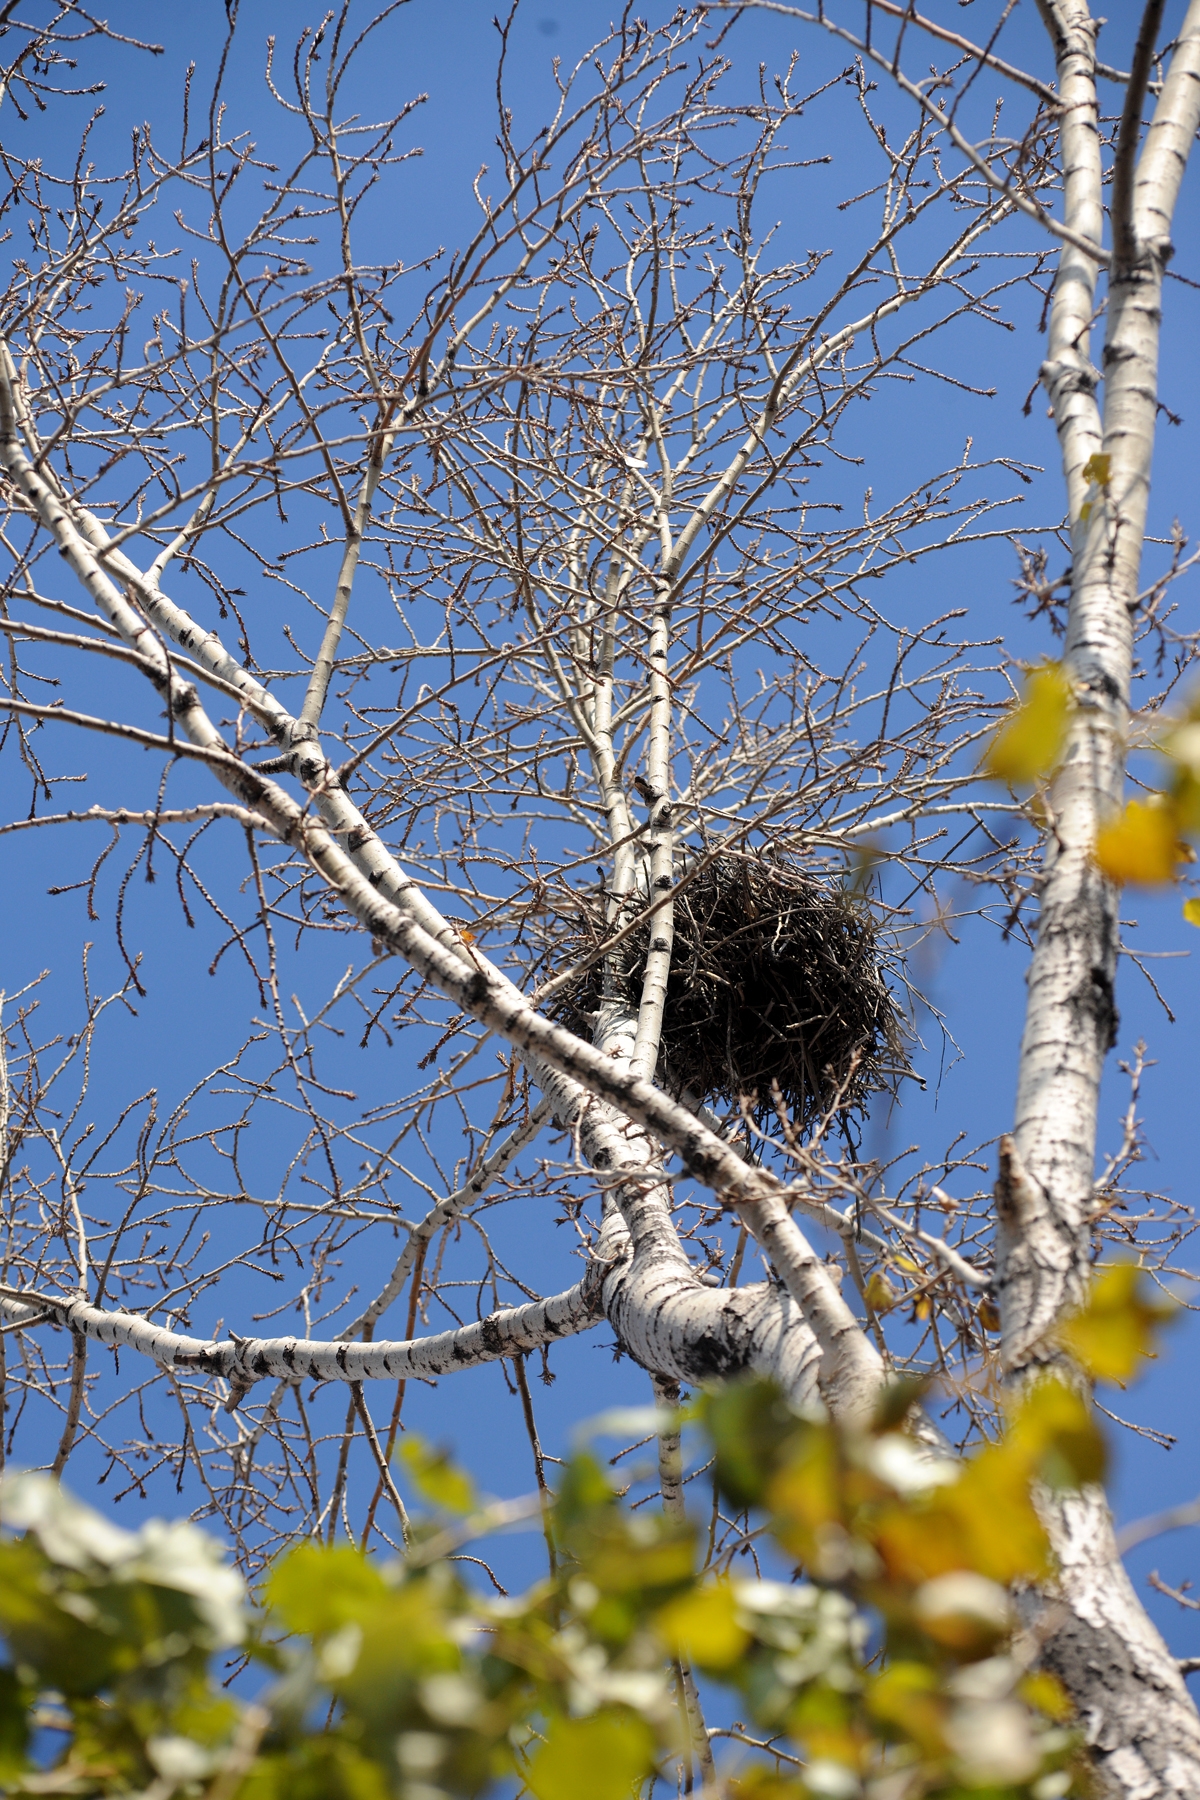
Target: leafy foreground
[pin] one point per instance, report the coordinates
(890, 1666)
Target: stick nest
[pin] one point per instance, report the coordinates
(776, 978)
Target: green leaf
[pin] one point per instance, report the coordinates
(14, 1725)
(584, 1490)
(905, 1697)
(758, 1782)
(317, 1589)
(1055, 1428)
(436, 1478)
(897, 1399)
(751, 1425)
(599, 1758)
(319, 1768)
(626, 1555)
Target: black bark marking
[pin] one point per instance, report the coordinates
(710, 1357)
(475, 989)
(1097, 1001)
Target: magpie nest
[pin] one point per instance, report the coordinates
(776, 988)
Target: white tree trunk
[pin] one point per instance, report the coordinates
(1140, 1720)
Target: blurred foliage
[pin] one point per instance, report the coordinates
(1144, 844)
(1115, 1331)
(1029, 744)
(883, 1660)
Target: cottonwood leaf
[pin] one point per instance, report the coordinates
(14, 1725)
(760, 1783)
(1028, 746)
(436, 1478)
(1191, 911)
(599, 1758)
(319, 1588)
(751, 1426)
(897, 1399)
(906, 1696)
(1115, 1330)
(703, 1626)
(880, 1294)
(1055, 1430)
(1142, 846)
(1043, 1691)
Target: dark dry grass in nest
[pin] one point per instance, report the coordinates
(775, 978)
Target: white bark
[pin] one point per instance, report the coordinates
(1139, 1719)
(665, 1318)
(662, 1314)
(243, 1361)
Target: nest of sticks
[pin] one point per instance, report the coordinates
(776, 996)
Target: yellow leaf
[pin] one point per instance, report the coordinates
(1054, 1430)
(1111, 1335)
(1141, 846)
(964, 1611)
(598, 1758)
(881, 1295)
(823, 1721)
(984, 1521)
(1042, 1690)
(1185, 798)
(1028, 745)
(1098, 468)
(760, 1783)
(806, 1495)
(905, 1696)
(1182, 745)
(1191, 911)
(620, 1561)
(702, 1625)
